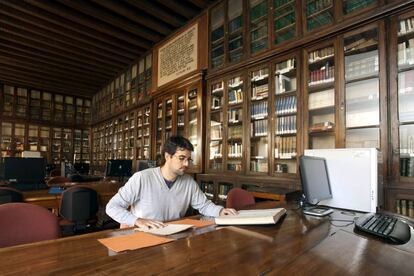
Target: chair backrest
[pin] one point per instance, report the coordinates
(55, 172)
(238, 198)
(79, 204)
(8, 195)
(57, 180)
(25, 223)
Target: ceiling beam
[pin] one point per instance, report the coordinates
(179, 7)
(48, 56)
(157, 11)
(47, 71)
(70, 25)
(40, 85)
(103, 15)
(47, 78)
(62, 11)
(38, 25)
(31, 30)
(136, 16)
(55, 46)
(20, 55)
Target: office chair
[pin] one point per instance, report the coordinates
(238, 198)
(8, 195)
(57, 181)
(25, 223)
(78, 208)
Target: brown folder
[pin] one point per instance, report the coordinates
(133, 241)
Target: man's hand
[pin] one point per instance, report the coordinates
(228, 211)
(147, 224)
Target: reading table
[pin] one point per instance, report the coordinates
(297, 244)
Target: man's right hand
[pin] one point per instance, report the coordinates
(147, 224)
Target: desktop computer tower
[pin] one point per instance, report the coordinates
(355, 176)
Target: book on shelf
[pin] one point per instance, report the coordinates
(252, 217)
(323, 126)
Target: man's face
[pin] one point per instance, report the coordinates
(179, 162)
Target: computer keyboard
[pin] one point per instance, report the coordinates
(384, 226)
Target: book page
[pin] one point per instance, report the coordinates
(249, 217)
(169, 229)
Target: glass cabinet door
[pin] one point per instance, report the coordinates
(67, 149)
(321, 97)
(349, 6)
(235, 30)
(58, 108)
(259, 117)
(284, 20)
(8, 100)
(146, 133)
(405, 90)
(181, 114)
(44, 141)
(362, 112)
(34, 110)
(33, 137)
(21, 103)
(216, 102)
(258, 25)
(285, 104)
(159, 126)
(19, 139)
(234, 134)
(217, 36)
(56, 145)
(193, 123)
(46, 106)
(318, 13)
(6, 139)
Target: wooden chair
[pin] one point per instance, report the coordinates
(8, 195)
(25, 223)
(238, 198)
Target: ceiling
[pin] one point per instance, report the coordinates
(78, 46)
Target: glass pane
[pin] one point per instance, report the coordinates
(217, 35)
(284, 17)
(407, 150)
(216, 126)
(363, 138)
(319, 13)
(353, 5)
(193, 123)
(259, 120)
(258, 25)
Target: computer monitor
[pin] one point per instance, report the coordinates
(81, 168)
(118, 167)
(315, 184)
(145, 164)
(24, 170)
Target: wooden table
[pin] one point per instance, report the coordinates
(298, 244)
(106, 190)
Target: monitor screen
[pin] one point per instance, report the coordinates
(81, 168)
(24, 170)
(119, 167)
(315, 179)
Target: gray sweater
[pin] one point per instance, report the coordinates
(148, 197)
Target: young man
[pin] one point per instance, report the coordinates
(164, 193)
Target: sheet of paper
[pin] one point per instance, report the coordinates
(195, 222)
(169, 229)
(133, 241)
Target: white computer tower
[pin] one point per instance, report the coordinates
(355, 178)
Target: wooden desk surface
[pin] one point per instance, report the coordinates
(298, 244)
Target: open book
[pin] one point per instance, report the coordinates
(259, 216)
(169, 229)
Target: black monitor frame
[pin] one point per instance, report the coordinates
(118, 167)
(316, 185)
(82, 168)
(25, 170)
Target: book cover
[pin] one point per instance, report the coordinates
(252, 217)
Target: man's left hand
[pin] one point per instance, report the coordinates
(228, 212)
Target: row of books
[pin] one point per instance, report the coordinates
(285, 147)
(286, 125)
(406, 52)
(260, 91)
(235, 150)
(216, 102)
(258, 128)
(286, 105)
(323, 75)
(278, 3)
(321, 99)
(235, 115)
(235, 96)
(321, 54)
(406, 26)
(405, 207)
(407, 166)
(361, 67)
(235, 132)
(235, 82)
(285, 66)
(260, 74)
(259, 110)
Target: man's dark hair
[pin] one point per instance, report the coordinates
(173, 143)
